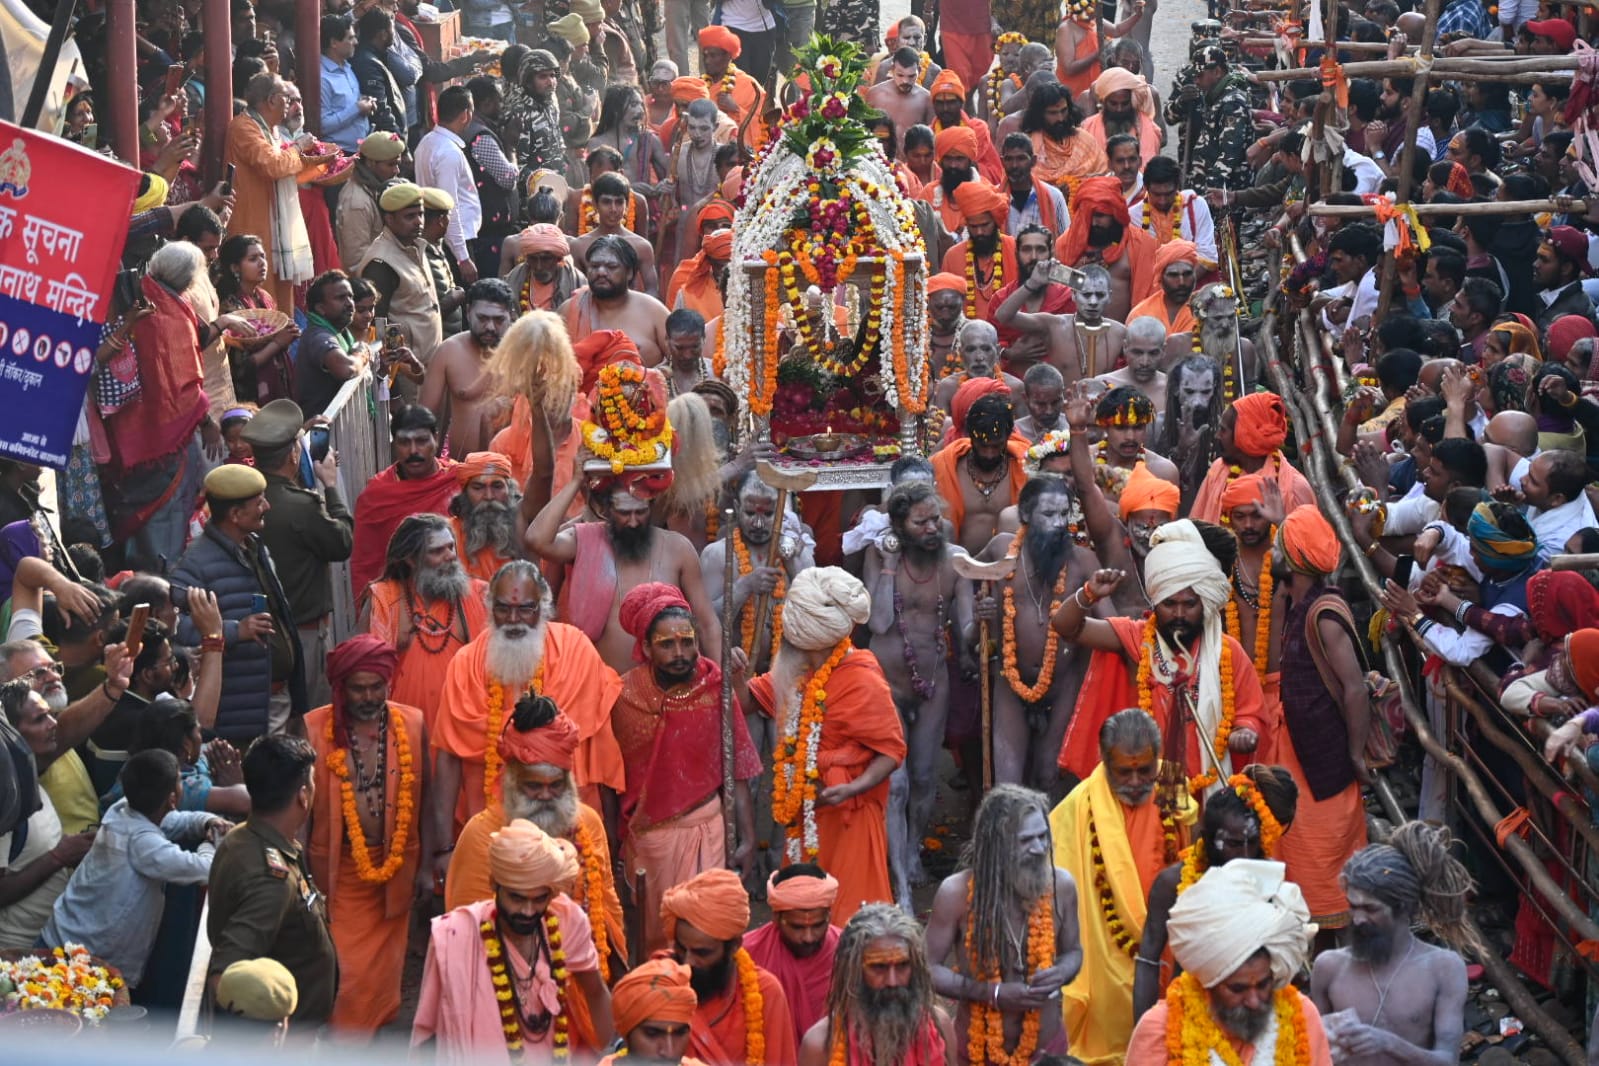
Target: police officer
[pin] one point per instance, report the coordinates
(263, 901)
(305, 532)
(1209, 107)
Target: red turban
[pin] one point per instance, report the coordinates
(1146, 492)
(1582, 656)
(601, 348)
(361, 653)
(959, 140)
(482, 464)
(723, 38)
(1564, 333)
(718, 245)
(642, 606)
(969, 393)
(1560, 601)
(713, 210)
(1175, 252)
(948, 83)
(659, 990)
(1260, 423)
(553, 744)
(945, 283)
(1095, 195)
(714, 902)
(1241, 491)
(1309, 542)
(1460, 182)
(978, 198)
(686, 90)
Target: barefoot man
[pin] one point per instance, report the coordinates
(612, 194)
(1124, 416)
(609, 301)
(607, 559)
(980, 472)
(457, 387)
(525, 650)
(1009, 920)
(901, 97)
(1390, 886)
(1039, 679)
(910, 626)
(1081, 344)
(1142, 350)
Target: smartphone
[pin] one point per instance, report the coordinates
(91, 136)
(319, 440)
(1404, 565)
(136, 623)
(227, 180)
(393, 337)
(174, 78)
(1061, 274)
(258, 603)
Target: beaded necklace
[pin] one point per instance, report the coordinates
(923, 687)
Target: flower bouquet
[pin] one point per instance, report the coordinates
(65, 979)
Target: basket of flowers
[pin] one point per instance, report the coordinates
(63, 981)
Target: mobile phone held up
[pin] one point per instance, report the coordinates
(319, 438)
(258, 603)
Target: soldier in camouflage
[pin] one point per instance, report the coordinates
(1209, 107)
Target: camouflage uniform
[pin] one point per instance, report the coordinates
(852, 20)
(1221, 125)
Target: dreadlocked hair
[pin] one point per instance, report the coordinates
(847, 1012)
(1276, 786)
(1415, 876)
(533, 712)
(990, 856)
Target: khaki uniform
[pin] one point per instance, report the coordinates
(265, 905)
(359, 223)
(414, 304)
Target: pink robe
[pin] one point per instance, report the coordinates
(457, 1008)
(805, 981)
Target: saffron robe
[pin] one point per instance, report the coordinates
(386, 501)
(805, 981)
(717, 1032)
(1295, 489)
(419, 675)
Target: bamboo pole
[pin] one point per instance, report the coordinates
(1573, 562)
(1526, 1006)
(1492, 207)
(1389, 276)
(1375, 47)
(1442, 67)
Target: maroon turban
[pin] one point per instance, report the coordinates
(642, 606)
(361, 652)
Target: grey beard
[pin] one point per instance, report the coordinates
(1033, 879)
(492, 524)
(448, 582)
(557, 817)
(1219, 341)
(1243, 1022)
(891, 1020)
(514, 652)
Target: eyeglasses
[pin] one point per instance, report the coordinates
(526, 611)
(39, 673)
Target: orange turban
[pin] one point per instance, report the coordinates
(969, 393)
(1243, 490)
(548, 745)
(1582, 655)
(640, 608)
(1176, 252)
(1146, 492)
(714, 902)
(1309, 543)
(945, 283)
(659, 990)
(482, 464)
(601, 348)
(978, 198)
(525, 858)
(543, 237)
(713, 210)
(1102, 195)
(723, 38)
(733, 184)
(948, 83)
(801, 892)
(718, 245)
(1260, 423)
(960, 140)
(686, 90)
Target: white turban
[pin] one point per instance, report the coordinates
(823, 606)
(1179, 560)
(1232, 912)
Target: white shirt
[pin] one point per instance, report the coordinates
(1409, 516)
(1368, 175)
(1033, 212)
(1365, 299)
(1556, 525)
(1195, 221)
(441, 164)
(1519, 471)
(750, 16)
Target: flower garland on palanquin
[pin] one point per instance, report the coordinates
(794, 773)
(404, 808)
(623, 437)
(985, 1033)
(1229, 702)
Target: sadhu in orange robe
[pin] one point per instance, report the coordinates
(426, 636)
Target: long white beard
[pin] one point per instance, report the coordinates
(447, 582)
(557, 817)
(514, 653)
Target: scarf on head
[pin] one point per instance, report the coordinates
(290, 243)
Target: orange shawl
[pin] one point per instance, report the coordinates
(946, 475)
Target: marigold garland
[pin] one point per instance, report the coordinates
(338, 762)
(1120, 936)
(725, 83)
(1193, 1037)
(499, 975)
(985, 1034)
(996, 276)
(1195, 859)
(1229, 703)
(794, 773)
(1263, 596)
(1173, 219)
(1046, 670)
(494, 725)
(588, 853)
(754, 1009)
(747, 615)
(624, 437)
(588, 215)
(64, 978)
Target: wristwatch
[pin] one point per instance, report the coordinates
(1379, 155)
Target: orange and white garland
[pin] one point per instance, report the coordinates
(494, 725)
(1194, 1039)
(404, 805)
(794, 773)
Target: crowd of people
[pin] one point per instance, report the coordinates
(591, 716)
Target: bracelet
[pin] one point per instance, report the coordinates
(105, 689)
(1089, 598)
(1372, 549)
(210, 644)
(1460, 612)
(1077, 598)
(1140, 960)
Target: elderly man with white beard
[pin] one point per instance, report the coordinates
(484, 515)
(524, 650)
(1240, 933)
(537, 749)
(427, 606)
